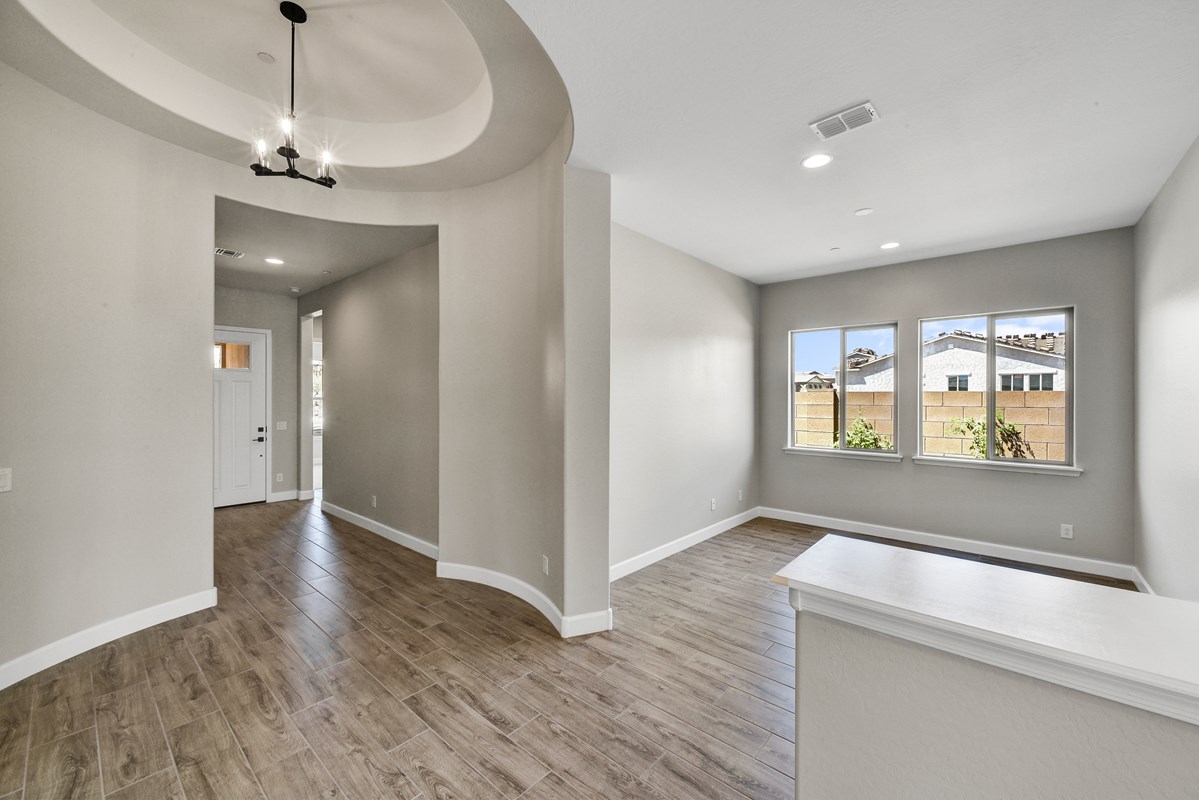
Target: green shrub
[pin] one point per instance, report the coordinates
(862, 436)
(1008, 441)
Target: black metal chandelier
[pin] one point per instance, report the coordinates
(287, 125)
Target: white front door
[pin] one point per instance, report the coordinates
(240, 435)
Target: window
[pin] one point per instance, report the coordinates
(230, 355)
(1022, 362)
(843, 389)
(1036, 382)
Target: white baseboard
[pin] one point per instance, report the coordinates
(1139, 580)
(48, 655)
(1093, 566)
(583, 624)
(399, 537)
(307, 494)
(576, 625)
(278, 497)
(631, 565)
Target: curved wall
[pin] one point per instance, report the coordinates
(109, 526)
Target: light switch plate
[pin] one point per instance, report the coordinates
(280, 426)
(6, 479)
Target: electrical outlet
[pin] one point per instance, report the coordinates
(1067, 531)
(281, 426)
(713, 503)
(374, 501)
(545, 564)
(740, 495)
(278, 477)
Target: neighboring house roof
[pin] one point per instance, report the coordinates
(877, 359)
(1051, 344)
(860, 356)
(1047, 344)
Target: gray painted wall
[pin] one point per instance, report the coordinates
(245, 309)
(587, 237)
(1167, 304)
(379, 331)
(885, 718)
(683, 399)
(1093, 272)
(106, 299)
(112, 510)
(502, 375)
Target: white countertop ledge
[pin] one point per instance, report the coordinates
(1138, 649)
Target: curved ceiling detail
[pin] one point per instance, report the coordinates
(411, 95)
(433, 62)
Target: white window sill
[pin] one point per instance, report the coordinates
(868, 455)
(1002, 466)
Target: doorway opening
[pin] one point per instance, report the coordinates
(312, 383)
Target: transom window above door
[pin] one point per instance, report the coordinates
(230, 355)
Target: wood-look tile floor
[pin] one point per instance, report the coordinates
(337, 665)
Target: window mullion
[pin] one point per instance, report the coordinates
(842, 385)
(989, 384)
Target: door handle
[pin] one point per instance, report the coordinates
(259, 439)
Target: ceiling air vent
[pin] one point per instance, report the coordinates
(220, 251)
(837, 124)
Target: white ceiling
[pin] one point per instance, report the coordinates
(1000, 122)
(308, 247)
(397, 61)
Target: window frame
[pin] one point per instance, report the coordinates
(841, 450)
(1068, 466)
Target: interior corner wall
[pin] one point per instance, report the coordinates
(277, 313)
(684, 402)
(587, 271)
(379, 335)
(1167, 308)
(1094, 273)
(106, 309)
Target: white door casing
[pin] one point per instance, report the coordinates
(241, 435)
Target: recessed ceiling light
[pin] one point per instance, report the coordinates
(889, 245)
(266, 58)
(861, 212)
(295, 290)
(326, 272)
(274, 260)
(818, 160)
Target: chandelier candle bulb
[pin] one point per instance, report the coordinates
(322, 170)
(261, 151)
(287, 126)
